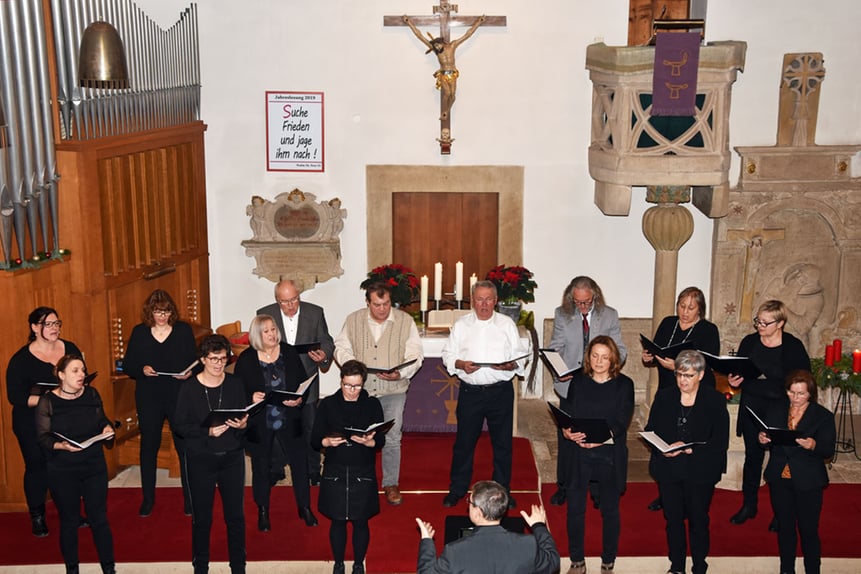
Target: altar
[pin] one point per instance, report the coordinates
(432, 397)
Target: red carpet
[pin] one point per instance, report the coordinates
(166, 535)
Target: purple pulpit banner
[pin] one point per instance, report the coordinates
(674, 85)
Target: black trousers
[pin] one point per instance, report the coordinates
(475, 404)
(276, 445)
(227, 472)
(754, 457)
(35, 464)
(684, 500)
(600, 475)
(797, 513)
(309, 412)
(155, 403)
(88, 481)
(564, 458)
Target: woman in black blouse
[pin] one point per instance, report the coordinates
(348, 491)
(775, 353)
(599, 390)
(688, 413)
(796, 472)
(30, 365)
(159, 344)
(688, 325)
(215, 455)
(75, 411)
(270, 365)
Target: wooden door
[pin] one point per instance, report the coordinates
(447, 228)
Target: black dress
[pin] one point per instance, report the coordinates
(22, 373)
(73, 476)
(348, 490)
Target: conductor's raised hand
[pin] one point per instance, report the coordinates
(425, 528)
(537, 515)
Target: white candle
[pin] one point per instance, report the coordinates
(472, 281)
(424, 293)
(458, 281)
(437, 281)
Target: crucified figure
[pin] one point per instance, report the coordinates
(446, 76)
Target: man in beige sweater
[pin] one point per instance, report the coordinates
(382, 338)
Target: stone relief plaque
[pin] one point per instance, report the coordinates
(296, 236)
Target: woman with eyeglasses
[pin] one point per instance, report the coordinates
(348, 490)
(688, 412)
(796, 472)
(215, 452)
(29, 374)
(269, 365)
(688, 326)
(73, 411)
(160, 351)
(775, 353)
(600, 391)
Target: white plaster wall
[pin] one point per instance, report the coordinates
(524, 98)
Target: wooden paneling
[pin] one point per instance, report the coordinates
(445, 227)
(133, 214)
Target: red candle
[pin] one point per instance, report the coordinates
(856, 360)
(838, 349)
(829, 355)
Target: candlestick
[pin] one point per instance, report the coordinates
(838, 349)
(423, 306)
(458, 281)
(437, 281)
(856, 360)
(829, 355)
(472, 281)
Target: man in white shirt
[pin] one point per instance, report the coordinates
(480, 351)
(382, 337)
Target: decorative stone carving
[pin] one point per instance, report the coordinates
(794, 227)
(628, 146)
(296, 236)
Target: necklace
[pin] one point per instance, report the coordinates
(683, 419)
(72, 393)
(688, 334)
(220, 394)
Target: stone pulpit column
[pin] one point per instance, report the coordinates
(667, 225)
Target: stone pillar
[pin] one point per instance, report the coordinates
(667, 225)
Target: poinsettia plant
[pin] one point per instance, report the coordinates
(513, 284)
(402, 280)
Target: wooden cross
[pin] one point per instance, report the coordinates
(444, 49)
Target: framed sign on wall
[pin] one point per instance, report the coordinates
(294, 131)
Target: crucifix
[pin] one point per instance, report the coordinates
(444, 48)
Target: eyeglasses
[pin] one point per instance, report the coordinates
(216, 360)
(351, 387)
(50, 324)
(757, 322)
(292, 301)
(162, 312)
(586, 303)
(685, 376)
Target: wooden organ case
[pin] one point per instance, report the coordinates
(131, 199)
